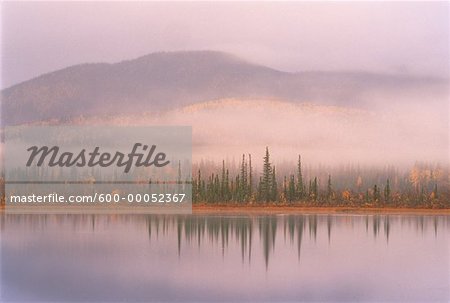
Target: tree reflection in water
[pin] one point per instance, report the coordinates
(221, 229)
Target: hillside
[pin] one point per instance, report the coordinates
(164, 81)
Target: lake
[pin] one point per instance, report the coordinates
(245, 257)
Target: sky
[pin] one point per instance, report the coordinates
(388, 37)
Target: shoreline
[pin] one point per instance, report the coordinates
(286, 209)
(294, 209)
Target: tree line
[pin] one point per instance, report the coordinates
(245, 187)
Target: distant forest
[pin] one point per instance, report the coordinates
(423, 186)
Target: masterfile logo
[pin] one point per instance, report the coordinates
(97, 169)
(52, 157)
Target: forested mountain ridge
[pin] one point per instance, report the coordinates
(168, 80)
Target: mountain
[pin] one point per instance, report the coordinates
(168, 80)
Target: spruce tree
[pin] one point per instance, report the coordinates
(227, 186)
(285, 189)
(216, 189)
(310, 190)
(387, 191)
(329, 188)
(300, 186)
(265, 183)
(222, 181)
(315, 189)
(274, 186)
(199, 184)
(292, 189)
(237, 191)
(250, 176)
(375, 193)
(232, 197)
(259, 189)
(194, 190)
(243, 189)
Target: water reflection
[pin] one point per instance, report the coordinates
(325, 246)
(219, 229)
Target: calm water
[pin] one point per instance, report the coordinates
(225, 258)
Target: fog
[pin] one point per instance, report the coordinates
(391, 37)
(408, 38)
(323, 135)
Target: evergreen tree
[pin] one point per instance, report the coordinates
(291, 189)
(274, 186)
(203, 190)
(329, 188)
(315, 189)
(259, 189)
(376, 194)
(243, 184)
(387, 191)
(237, 190)
(194, 190)
(199, 186)
(250, 176)
(222, 181)
(300, 186)
(216, 189)
(265, 183)
(310, 190)
(231, 193)
(227, 186)
(285, 190)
